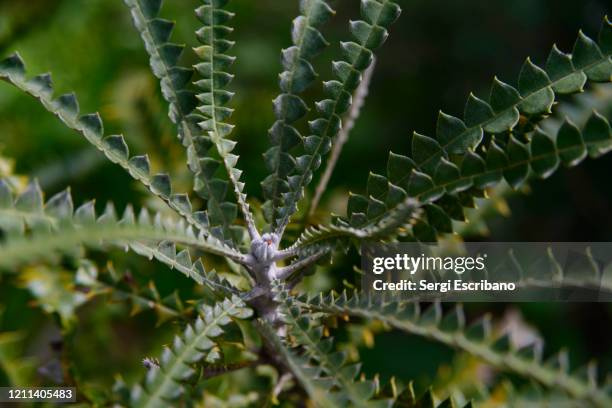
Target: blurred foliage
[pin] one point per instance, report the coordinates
(436, 55)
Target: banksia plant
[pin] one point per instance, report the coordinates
(248, 257)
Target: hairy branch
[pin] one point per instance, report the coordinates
(286, 271)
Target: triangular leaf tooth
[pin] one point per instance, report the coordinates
(585, 52)
(184, 259)
(109, 215)
(361, 30)
(351, 370)
(157, 220)
(170, 53)
(168, 249)
(476, 111)
(212, 15)
(160, 184)
(59, 206)
(150, 8)
(518, 158)
(472, 164)
(201, 217)
(452, 206)
(503, 344)
(337, 359)
(231, 160)
(531, 352)
(377, 186)
(544, 155)
(534, 86)
(447, 403)
(503, 96)
(128, 217)
(480, 330)
(12, 65)
(395, 195)
(424, 232)
(92, 125)
(559, 362)
(426, 152)
(407, 396)
(180, 77)
(85, 213)
(182, 201)
(141, 164)
(365, 389)
(144, 218)
(446, 173)
(588, 374)
(454, 136)
(68, 105)
(346, 73)
(600, 72)
(356, 204)
(381, 14)
(427, 400)
(31, 199)
(419, 183)
(504, 99)
(399, 169)
(496, 160)
(160, 29)
(220, 80)
(454, 320)
(558, 64)
(432, 315)
(467, 198)
(290, 107)
(224, 61)
(438, 219)
(116, 146)
(223, 130)
(570, 145)
(226, 146)
(597, 135)
(209, 35)
(532, 78)
(560, 69)
(41, 85)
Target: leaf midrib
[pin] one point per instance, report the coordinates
(166, 74)
(217, 140)
(284, 221)
(168, 375)
(17, 250)
(497, 115)
(569, 383)
(486, 172)
(276, 199)
(324, 360)
(72, 123)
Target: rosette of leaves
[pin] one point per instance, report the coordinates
(422, 192)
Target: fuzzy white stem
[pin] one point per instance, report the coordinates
(285, 272)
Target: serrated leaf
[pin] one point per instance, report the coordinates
(544, 160)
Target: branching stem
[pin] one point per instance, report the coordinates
(286, 271)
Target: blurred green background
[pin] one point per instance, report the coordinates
(437, 53)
